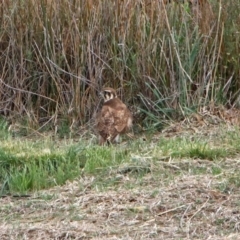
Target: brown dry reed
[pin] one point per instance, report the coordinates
(56, 55)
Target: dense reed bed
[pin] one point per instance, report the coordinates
(164, 59)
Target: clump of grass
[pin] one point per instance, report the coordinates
(4, 132)
(200, 151)
(101, 158)
(40, 167)
(198, 147)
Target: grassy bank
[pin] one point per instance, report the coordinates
(30, 164)
(169, 185)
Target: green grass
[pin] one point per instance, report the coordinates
(34, 164)
(26, 166)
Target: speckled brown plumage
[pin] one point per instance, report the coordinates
(113, 119)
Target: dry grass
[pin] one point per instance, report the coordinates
(187, 206)
(56, 56)
(154, 195)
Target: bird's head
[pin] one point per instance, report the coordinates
(108, 94)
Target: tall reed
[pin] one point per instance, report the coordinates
(57, 55)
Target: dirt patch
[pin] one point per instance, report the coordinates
(190, 206)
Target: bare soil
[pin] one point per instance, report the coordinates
(186, 205)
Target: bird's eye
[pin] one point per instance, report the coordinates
(106, 94)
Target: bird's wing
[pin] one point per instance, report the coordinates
(122, 118)
(105, 118)
(113, 118)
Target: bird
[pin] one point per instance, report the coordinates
(113, 119)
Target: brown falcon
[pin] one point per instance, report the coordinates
(113, 119)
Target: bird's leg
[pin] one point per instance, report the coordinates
(108, 140)
(101, 140)
(116, 139)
